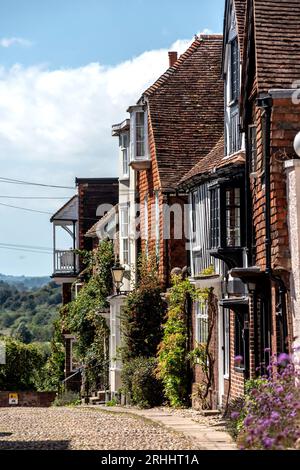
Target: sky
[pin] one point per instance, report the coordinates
(69, 69)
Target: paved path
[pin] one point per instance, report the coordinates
(59, 428)
(205, 433)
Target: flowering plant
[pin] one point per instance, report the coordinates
(272, 409)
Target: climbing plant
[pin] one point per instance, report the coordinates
(203, 354)
(83, 316)
(174, 347)
(175, 356)
(142, 314)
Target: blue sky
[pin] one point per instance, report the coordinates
(68, 70)
(75, 32)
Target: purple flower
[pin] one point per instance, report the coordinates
(238, 359)
(248, 420)
(235, 415)
(283, 359)
(268, 442)
(275, 416)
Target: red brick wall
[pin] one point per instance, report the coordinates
(173, 252)
(199, 375)
(284, 126)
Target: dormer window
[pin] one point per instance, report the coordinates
(140, 134)
(139, 151)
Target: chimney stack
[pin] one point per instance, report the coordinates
(172, 58)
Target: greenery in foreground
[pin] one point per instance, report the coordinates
(28, 315)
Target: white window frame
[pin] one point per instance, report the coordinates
(124, 147)
(133, 143)
(201, 316)
(124, 233)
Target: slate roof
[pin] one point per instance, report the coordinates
(277, 37)
(186, 108)
(213, 161)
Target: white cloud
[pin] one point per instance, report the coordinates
(8, 42)
(61, 119)
(55, 125)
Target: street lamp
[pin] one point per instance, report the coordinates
(297, 144)
(117, 274)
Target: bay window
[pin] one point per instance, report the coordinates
(226, 222)
(233, 217)
(139, 133)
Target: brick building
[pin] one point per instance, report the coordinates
(174, 124)
(95, 196)
(270, 120)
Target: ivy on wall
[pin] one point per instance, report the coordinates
(83, 316)
(175, 357)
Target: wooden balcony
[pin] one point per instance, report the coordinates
(65, 263)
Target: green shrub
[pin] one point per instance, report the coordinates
(142, 315)
(67, 398)
(24, 364)
(140, 382)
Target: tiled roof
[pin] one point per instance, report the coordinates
(240, 11)
(277, 37)
(186, 107)
(213, 161)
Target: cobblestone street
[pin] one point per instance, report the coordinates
(84, 428)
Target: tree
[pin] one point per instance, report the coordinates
(23, 333)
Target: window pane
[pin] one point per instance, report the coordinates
(125, 161)
(233, 217)
(201, 322)
(140, 149)
(235, 75)
(140, 119)
(214, 218)
(252, 148)
(126, 251)
(239, 343)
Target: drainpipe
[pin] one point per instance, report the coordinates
(266, 104)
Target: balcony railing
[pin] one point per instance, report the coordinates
(65, 262)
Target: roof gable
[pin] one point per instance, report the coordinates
(186, 109)
(68, 212)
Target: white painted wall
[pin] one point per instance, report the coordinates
(293, 195)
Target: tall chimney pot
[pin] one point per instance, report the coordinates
(172, 58)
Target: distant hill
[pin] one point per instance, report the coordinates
(31, 311)
(25, 282)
